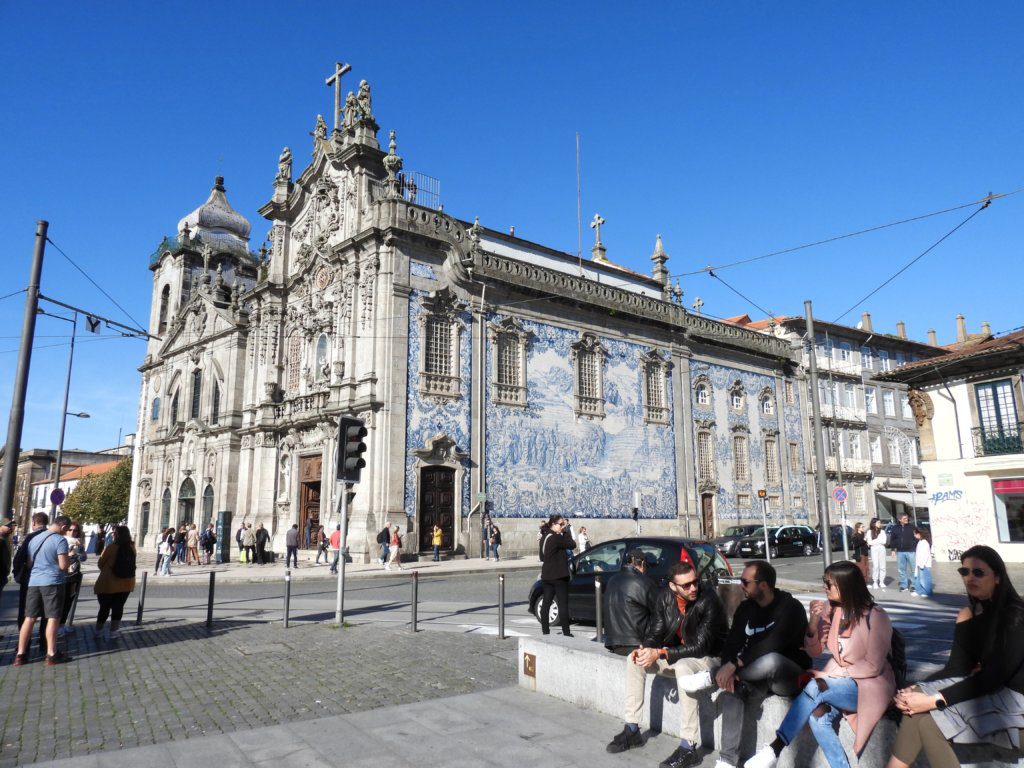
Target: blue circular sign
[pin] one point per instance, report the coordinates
(839, 494)
(57, 496)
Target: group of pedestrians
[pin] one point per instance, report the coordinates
(47, 568)
(185, 545)
(681, 631)
(913, 548)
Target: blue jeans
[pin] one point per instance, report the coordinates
(385, 552)
(165, 566)
(437, 552)
(906, 563)
(840, 696)
(494, 551)
(292, 555)
(924, 582)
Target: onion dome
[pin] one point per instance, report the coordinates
(216, 223)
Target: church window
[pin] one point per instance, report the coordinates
(440, 328)
(655, 370)
(165, 509)
(508, 343)
(215, 403)
(207, 506)
(174, 408)
(767, 405)
(294, 362)
(322, 369)
(155, 414)
(165, 300)
(771, 461)
(703, 397)
(736, 398)
(740, 460)
(790, 393)
(197, 393)
(588, 356)
(705, 457)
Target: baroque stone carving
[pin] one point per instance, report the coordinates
(441, 449)
(284, 166)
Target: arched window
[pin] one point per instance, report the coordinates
(703, 394)
(207, 506)
(174, 408)
(156, 409)
(197, 392)
(145, 523)
(165, 300)
(767, 405)
(215, 403)
(323, 370)
(187, 502)
(165, 509)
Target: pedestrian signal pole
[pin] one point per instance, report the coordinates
(350, 462)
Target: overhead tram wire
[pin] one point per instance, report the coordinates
(917, 258)
(745, 298)
(14, 293)
(989, 198)
(97, 285)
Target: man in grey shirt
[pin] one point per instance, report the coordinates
(48, 554)
(291, 543)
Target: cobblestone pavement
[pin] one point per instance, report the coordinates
(176, 680)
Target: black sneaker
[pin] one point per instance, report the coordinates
(681, 758)
(58, 658)
(626, 740)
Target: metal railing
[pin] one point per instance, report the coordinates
(998, 441)
(415, 187)
(846, 367)
(843, 412)
(849, 466)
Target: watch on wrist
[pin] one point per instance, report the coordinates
(940, 703)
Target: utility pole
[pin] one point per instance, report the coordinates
(836, 439)
(819, 449)
(12, 451)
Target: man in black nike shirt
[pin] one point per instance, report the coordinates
(763, 654)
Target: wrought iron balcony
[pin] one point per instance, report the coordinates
(998, 441)
(849, 466)
(843, 413)
(843, 367)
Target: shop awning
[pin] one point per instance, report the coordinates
(904, 497)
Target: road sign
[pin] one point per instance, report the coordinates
(57, 496)
(839, 494)
(92, 324)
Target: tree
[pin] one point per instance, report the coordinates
(101, 498)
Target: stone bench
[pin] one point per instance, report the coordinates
(584, 673)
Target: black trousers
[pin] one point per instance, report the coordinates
(72, 584)
(22, 596)
(559, 590)
(111, 604)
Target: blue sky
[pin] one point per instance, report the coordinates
(733, 129)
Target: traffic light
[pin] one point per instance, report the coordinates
(350, 448)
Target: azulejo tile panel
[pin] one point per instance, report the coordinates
(420, 269)
(543, 459)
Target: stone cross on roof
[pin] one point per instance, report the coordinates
(335, 80)
(596, 225)
(697, 304)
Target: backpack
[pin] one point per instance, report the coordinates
(382, 537)
(897, 656)
(204, 537)
(124, 563)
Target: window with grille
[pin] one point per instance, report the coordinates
(790, 393)
(509, 373)
(705, 457)
(771, 461)
(798, 502)
(794, 457)
(655, 407)
(743, 500)
(774, 502)
(859, 503)
(197, 392)
(740, 460)
(294, 362)
(586, 373)
(588, 359)
(439, 347)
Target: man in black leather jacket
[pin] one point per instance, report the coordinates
(628, 607)
(685, 635)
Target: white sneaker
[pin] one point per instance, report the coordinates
(696, 682)
(723, 764)
(764, 758)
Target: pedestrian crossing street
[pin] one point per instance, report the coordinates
(911, 613)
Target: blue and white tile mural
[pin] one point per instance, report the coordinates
(543, 460)
(750, 420)
(428, 417)
(420, 269)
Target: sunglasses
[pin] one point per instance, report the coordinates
(687, 585)
(977, 573)
(748, 582)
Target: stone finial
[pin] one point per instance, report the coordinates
(598, 252)
(393, 165)
(659, 257)
(678, 292)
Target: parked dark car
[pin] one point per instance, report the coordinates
(836, 536)
(782, 540)
(604, 560)
(726, 543)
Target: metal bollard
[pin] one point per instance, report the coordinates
(142, 599)
(209, 602)
(501, 607)
(415, 597)
(287, 595)
(599, 636)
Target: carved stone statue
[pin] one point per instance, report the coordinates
(284, 165)
(366, 113)
(351, 109)
(319, 133)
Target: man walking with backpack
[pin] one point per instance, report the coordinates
(384, 539)
(44, 571)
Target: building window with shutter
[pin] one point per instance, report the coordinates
(771, 461)
(794, 457)
(740, 459)
(509, 341)
(294, 363)
(790, 393)
(705, 457)
(701, 393)
(440, 326)
(655, 371)
(588, 356)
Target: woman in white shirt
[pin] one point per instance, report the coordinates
(923, 561)
(876, 540)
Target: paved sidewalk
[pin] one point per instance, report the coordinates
(503, 728)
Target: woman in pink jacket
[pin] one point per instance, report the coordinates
(856, 683)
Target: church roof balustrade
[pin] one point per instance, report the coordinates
(184, 242)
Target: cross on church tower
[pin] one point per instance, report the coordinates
(596, 225)
(697, 304)
(335, 80)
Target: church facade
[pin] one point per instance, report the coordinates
(497, 377)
